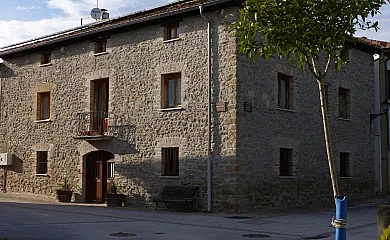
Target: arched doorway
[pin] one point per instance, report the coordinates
(97, 172)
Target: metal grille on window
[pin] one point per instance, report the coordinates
(111, 170)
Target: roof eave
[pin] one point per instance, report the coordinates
(11, 52)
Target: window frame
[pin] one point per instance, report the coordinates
(287, 94)
(170, 161)
(100, 46)
(344, 111)
(345, 164)
(41, 106)
(285, 162)
(110, 170)
(177, 101)
(42, 162)
(167, 31)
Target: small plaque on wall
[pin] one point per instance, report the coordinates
(247, 107)
(221, 106)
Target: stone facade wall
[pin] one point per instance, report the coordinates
(262, 132)
(245, 148)
(134, 65)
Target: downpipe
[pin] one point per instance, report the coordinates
(206, 19)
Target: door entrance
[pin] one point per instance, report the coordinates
(99, 106)
(96, 176)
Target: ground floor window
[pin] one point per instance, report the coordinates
(42, 162)
(170, 161)
(285, 164)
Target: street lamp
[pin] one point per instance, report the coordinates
(385, 105)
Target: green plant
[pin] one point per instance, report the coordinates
(113, 188)
(386, 234)
(65, 185)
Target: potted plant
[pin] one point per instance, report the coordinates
(113, 198)
(64, 193)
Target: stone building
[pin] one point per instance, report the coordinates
(125, 100)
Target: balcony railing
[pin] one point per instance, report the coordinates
(95, 124)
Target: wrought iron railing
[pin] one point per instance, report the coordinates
(95, 123)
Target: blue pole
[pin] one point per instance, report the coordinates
(340, 222)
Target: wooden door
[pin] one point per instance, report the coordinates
(98, 169)
(99, 105)
(96, 177)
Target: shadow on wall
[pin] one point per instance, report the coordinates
(6, 72)
(17, 164)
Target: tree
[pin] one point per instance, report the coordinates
(310, 33)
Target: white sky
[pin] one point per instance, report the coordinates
(26, 19)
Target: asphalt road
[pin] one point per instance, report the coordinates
(58, 221)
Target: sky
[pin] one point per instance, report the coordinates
(22, 20)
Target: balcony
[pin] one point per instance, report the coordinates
(95, 125)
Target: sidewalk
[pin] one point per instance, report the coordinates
(311, 223)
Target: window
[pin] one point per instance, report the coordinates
(171, 31)
(284, 93)
(344, 103)
(45, 58)
(344, 165)
(170, 161)
(100, 47)
(43, 106)
(285, 164)
(171, 91)
(110, 170)
(41, 162)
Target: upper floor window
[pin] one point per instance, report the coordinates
(171, 90)
(45, 58)
(43, 106)
(284, 91)
(170, 161)
(171, 31)
(344, 103)
(100, 46)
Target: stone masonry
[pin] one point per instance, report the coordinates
(246, 145)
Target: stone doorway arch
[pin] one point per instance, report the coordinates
(95, 177)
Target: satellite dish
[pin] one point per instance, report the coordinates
(96, 13)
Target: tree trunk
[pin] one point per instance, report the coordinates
(333, 174)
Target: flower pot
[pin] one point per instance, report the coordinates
(64, 196)
(114, 200)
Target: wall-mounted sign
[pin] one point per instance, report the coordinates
(247, 107)
(221, 106)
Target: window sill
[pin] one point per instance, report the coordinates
(43, 121)
(99, 54)
(171, 109)
(285, 109)
(169, 177)
(172, 40)
(345, 177)
(45, 64)
(41, 175)
(287, 177)
(345, 119)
